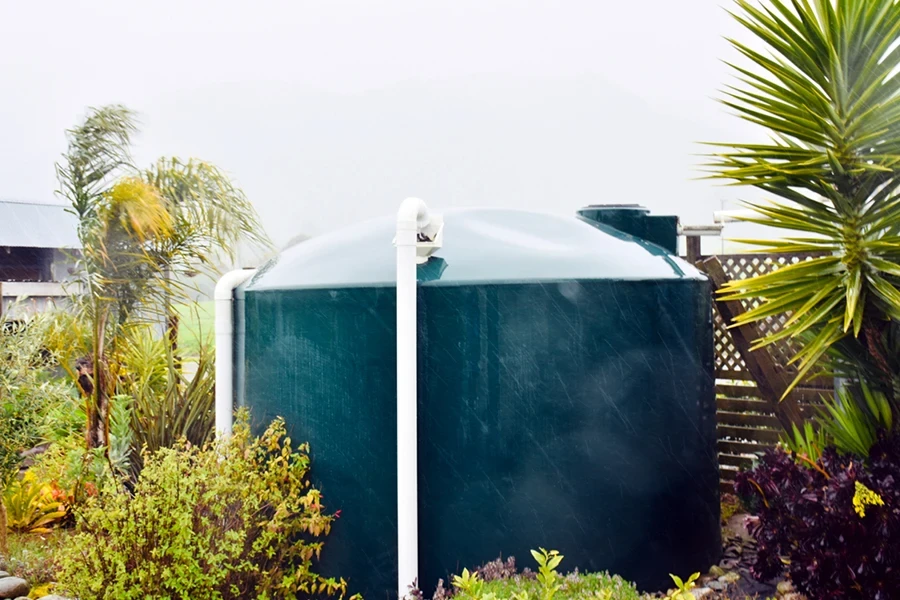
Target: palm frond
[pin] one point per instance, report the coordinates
(822, 80)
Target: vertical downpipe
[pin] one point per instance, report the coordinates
(412, 212)
(224, 297)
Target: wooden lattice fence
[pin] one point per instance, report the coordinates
(747, 420)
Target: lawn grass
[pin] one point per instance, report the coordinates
(33, 556)
(197, 324)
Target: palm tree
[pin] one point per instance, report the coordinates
(210, 217)
(139, 231)
(115, 218)
(823, 84)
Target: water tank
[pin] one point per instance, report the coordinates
(565, 393)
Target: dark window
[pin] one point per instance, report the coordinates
(25, 264)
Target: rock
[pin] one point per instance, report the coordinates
(728, 563)
(23, 598)
(784, 587)
(3, 574)
(716, 571)
(793, 596)
(730, 578)
(701, 592)
(716, 585)
(53, 597)
(13, 587)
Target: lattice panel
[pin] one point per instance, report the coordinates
(729, 364)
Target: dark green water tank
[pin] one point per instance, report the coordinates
(565, 395)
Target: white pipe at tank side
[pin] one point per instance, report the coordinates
(411, 217)
(224, 299)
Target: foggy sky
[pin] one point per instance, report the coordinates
(331, 112)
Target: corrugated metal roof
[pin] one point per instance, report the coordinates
(30, 225)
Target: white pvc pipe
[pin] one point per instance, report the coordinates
(411, 217)
(224, 299)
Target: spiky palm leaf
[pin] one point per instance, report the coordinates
(209, 213)
(210, 216)
(823, 84)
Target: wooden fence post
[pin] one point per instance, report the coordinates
(771, 381)
(692, 246)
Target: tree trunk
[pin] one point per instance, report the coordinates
(98, 429)
(100, 421)
(84, 367)
(93, 388)
(172, 325)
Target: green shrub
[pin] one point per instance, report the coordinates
(238, 520)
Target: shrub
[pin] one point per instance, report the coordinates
(824, 520)
(237, 520)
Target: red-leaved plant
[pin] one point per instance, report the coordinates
(823, 521)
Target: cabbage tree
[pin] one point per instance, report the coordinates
(820, 76)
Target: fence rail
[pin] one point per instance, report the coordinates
(749, 417)
(18, 298)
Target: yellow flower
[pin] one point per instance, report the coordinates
(865, 497)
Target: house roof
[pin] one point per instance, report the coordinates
(32, 225)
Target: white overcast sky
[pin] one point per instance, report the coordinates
(333, 111)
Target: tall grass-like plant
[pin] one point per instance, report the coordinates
(806, 442)
(820, 77)
(852, 420)
(166, 405)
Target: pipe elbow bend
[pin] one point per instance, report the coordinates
(413, 214)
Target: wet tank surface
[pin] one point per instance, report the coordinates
(565, 395)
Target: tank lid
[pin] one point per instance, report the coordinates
(635, 220)
(480, 246)
(637, 207)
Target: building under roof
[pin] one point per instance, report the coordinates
(37, 242)
(30, 225)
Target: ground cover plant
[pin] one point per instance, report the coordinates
(501, 580)
(35, 557)
(835, 522)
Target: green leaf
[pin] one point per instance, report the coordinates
(853, 290)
